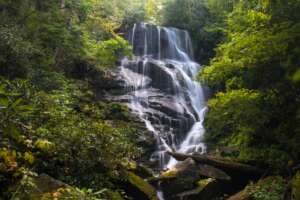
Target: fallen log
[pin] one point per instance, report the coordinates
(223, 164)
(189, 167)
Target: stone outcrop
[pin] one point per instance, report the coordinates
(45, 187)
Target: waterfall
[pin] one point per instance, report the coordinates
(161, 90)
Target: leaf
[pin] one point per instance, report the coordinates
(100, 191)
(296, 76)
(28, 156)
(24, 110)
(4, 102)
(12, 131)
(2, 88)
(16, 103)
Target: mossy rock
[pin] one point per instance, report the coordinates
(169, 174)
(44, 187)
(296, 187)
(182, 177)
(203, 183)
(142, 185)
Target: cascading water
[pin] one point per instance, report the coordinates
(161, 90)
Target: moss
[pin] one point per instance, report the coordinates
(142, 185)
(169, 174)
(296, 187)
(203, 183)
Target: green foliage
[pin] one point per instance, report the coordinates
(116, 111)
(295, 193)
(48, 80)
(15, 51)
(33, 187)
(234, 112)
(195, 17)
(49, 122)
(13, 108)
(64, 133)
(271, 188)
(107, 53)
(84, 140)
(37, 35)
(255, 77)
(272, 155)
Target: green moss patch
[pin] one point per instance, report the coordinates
(142, 185)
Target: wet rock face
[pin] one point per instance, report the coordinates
(157, 93)
(138, 35)
(158, 86)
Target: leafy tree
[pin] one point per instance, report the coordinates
(260, 53)
(195, 17)
(51, 123)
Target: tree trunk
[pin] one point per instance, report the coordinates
(219, 163)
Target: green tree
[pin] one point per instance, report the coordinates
(261, 54)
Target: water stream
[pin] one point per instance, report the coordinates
(161, 90)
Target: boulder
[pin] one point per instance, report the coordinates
(138, 188)
(183, 180)
(184, 176)
(180, 178)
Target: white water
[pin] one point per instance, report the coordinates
(169, 50)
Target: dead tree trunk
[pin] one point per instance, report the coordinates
(223, 164)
